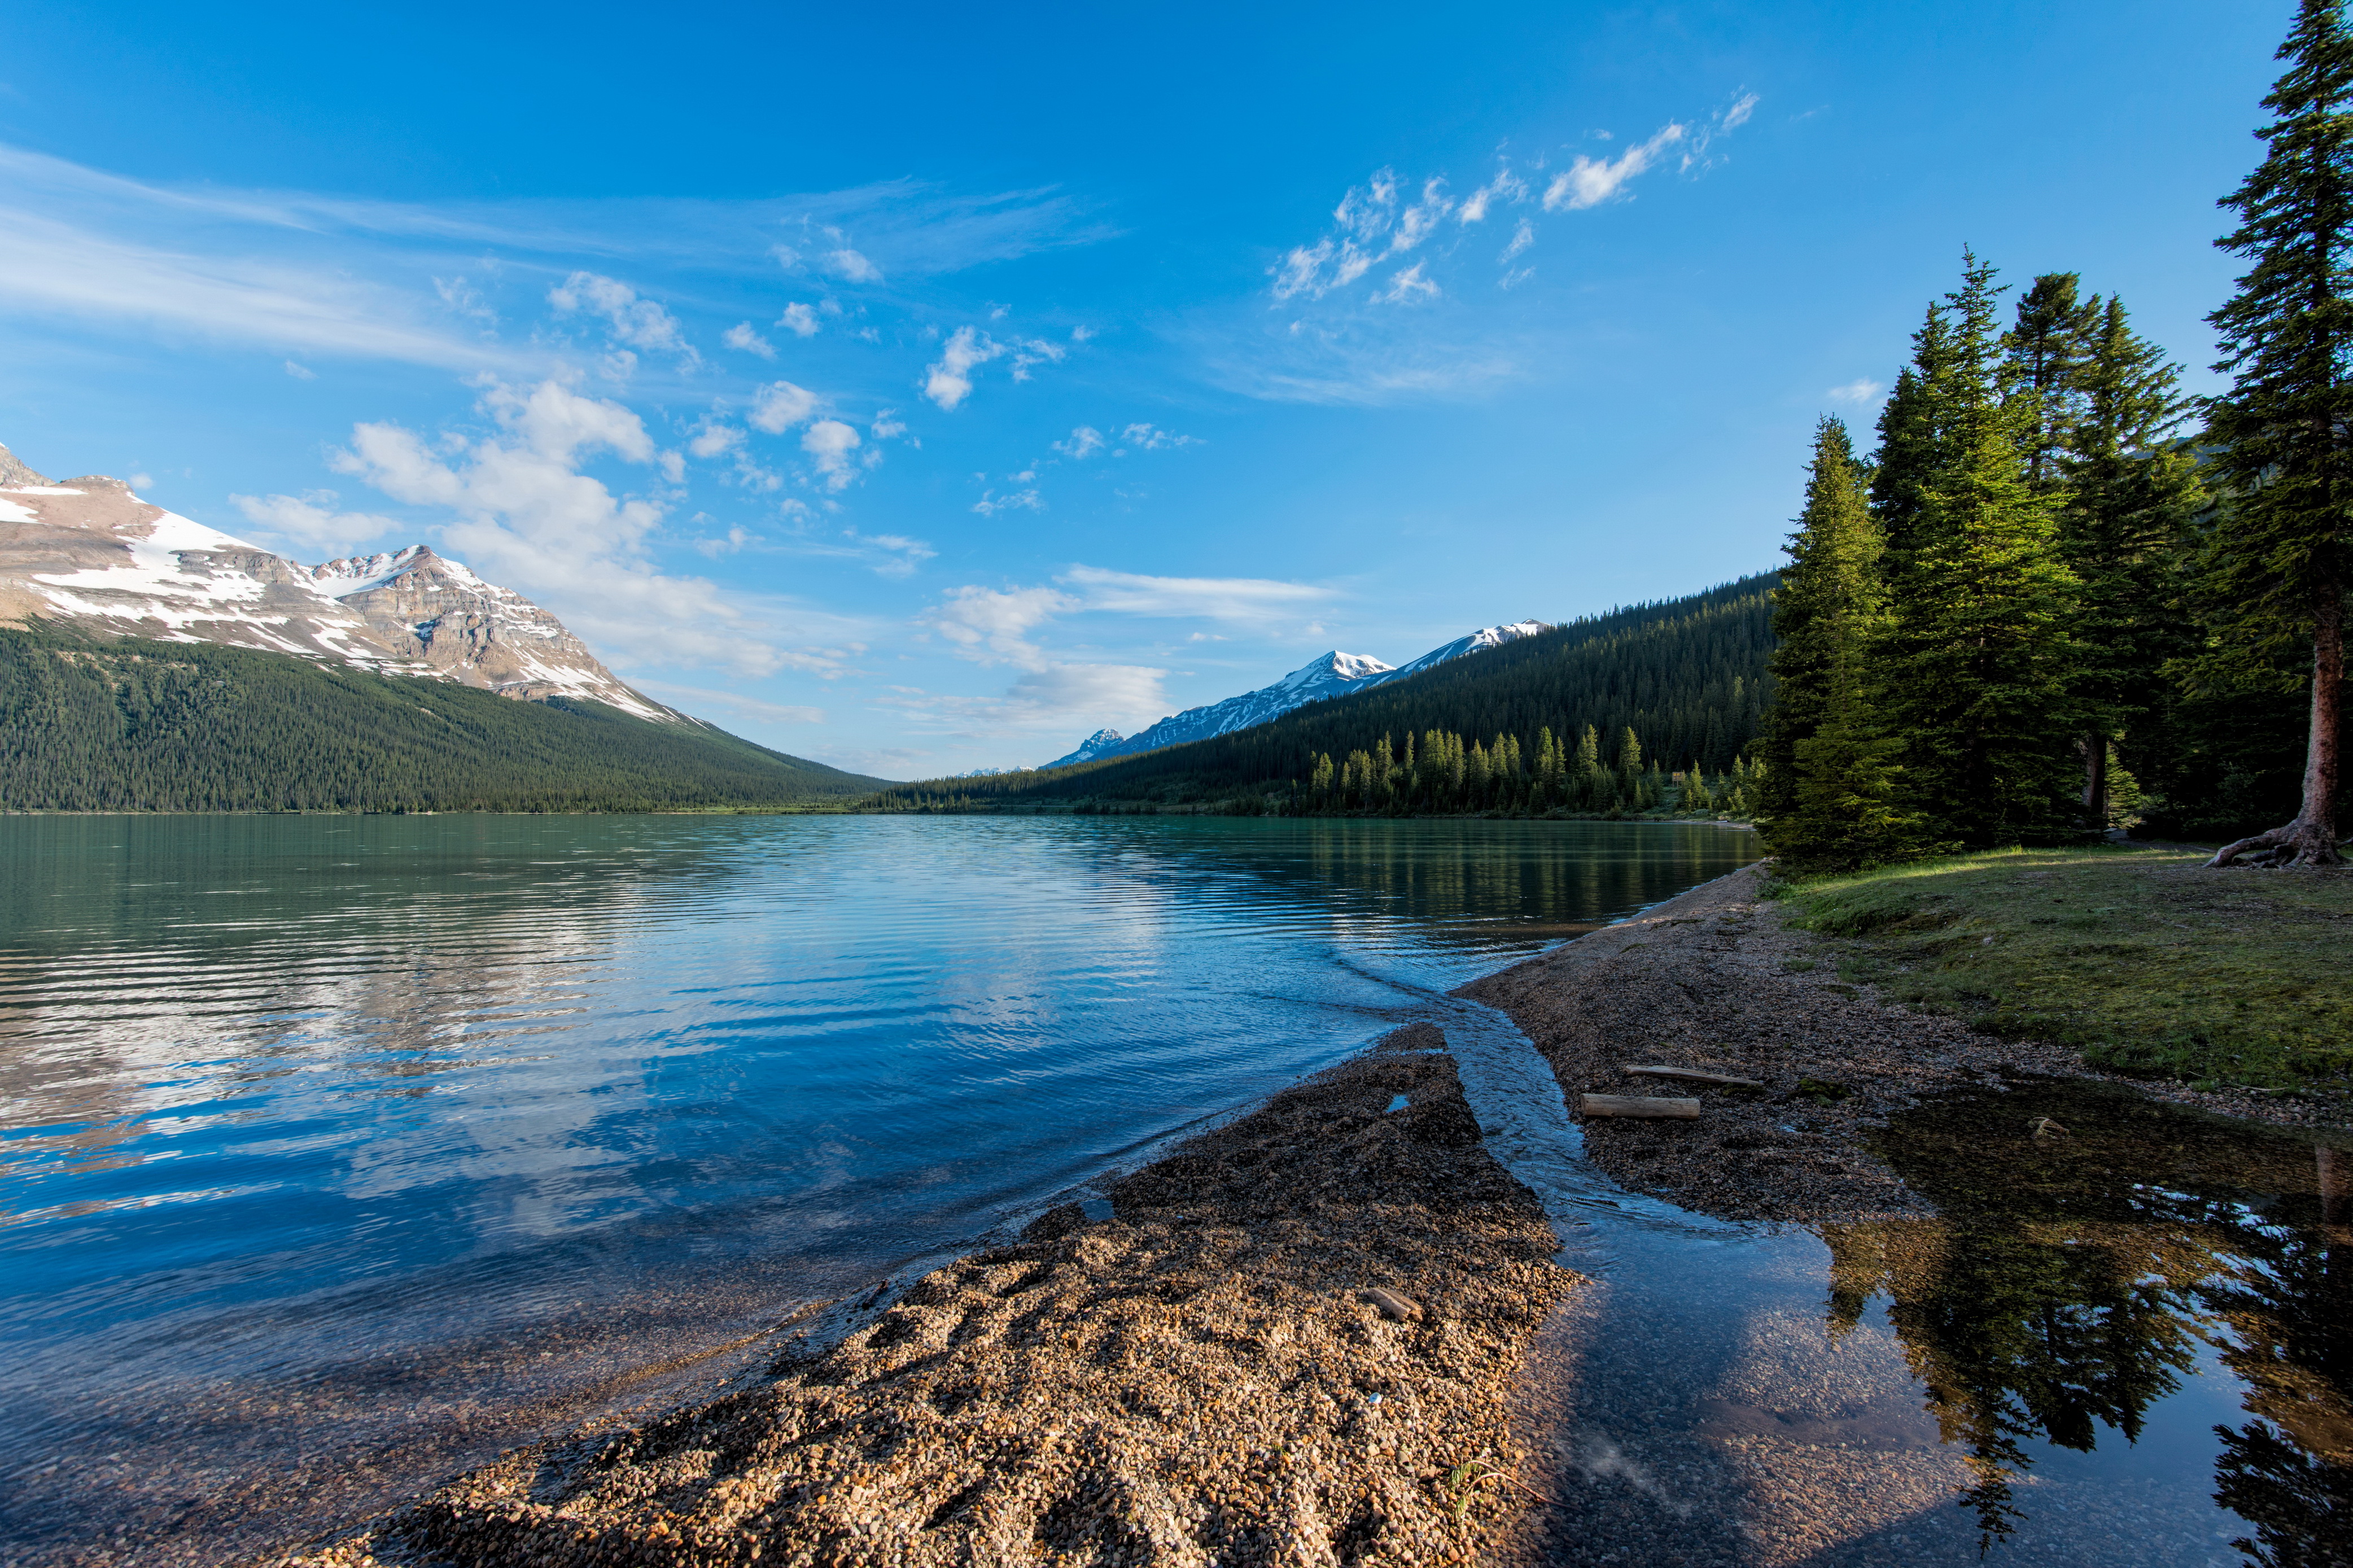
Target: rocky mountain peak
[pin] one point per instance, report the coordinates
(89, 552)
(12, 472)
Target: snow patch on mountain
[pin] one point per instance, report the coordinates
(89, 551)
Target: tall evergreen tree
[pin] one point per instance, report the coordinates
(2277, 566)
(1826, 614)
(2132, 495)
(1913, 437)
(2046, 351)
(1980, 655)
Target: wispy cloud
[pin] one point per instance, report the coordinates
(331, 275)
(1863, 389)
(632, 321)
(1251, 600)
(1589, 182)
(740, 336)
(311, 523)
(687, 698)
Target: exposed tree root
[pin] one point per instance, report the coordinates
(2299, 843)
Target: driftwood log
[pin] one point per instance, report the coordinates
(1692, 1074)
(1592, 1105)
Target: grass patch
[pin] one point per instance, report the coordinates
(2140, 958)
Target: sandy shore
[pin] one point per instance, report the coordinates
(1285, 1346)
(1702, 982)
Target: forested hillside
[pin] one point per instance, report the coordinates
(1539, 724)
(131, 725)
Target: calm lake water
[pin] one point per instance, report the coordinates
(340, 1153)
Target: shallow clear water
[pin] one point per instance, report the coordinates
(2127, 1342)
(338, 1153)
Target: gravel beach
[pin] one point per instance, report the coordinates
(1285, 1346)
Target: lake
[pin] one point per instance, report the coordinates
(343, 1151)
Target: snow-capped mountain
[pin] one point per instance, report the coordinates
(89, 552)
(1334, 674)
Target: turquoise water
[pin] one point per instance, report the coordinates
(340, 1151)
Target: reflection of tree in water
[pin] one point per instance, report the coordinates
(2288, 1303)
(2076, 1278)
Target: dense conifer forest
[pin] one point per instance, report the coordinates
(2060, 596)
(1640, 710)
(131, 725)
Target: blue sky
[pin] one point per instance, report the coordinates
(920, 389)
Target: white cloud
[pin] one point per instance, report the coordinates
(779, 405)
(300, 372)
(949, 380)
(1737, 115)
(639, 323)
(1522, 237)
(1152, 438)
(990, 503)
(523, 515)
(1407, 286)
(1506, 187)
(900, 554)
(1252, 600)
(687, 698)
(1589, 182)
(799, 319)
(309, 522)
(1058, 698)
(1419, 221)
(993, 627)
(742, 336)
(848, 263)
(714, 440)
(1085, 442)
(1863, 389)
(829, 443)
(888, 425)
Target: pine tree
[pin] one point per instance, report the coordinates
(2132, 495)
(2277, 566)
(1827, 610)
(1979, 659)
(2045, 354)
(1912, 440)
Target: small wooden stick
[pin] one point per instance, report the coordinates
(1692, 1074)
(1637, 1105)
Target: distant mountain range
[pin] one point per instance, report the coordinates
(149, 663)
(88, 553)
(1334, 674)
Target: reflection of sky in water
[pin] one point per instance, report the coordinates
(275, 1092)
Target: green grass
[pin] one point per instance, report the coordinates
(2140, 958)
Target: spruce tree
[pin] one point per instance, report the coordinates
(1978, 667)
(2132, 495)
(1827, 608)
(2046, 351)
(1913, 437)
(2277, 566)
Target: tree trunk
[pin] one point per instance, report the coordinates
(2096, 782)
(2311, 838)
